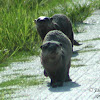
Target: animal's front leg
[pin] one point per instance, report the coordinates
(56, 84)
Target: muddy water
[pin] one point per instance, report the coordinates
(20, 80)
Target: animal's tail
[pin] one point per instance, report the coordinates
(76, 43)
(45, 73)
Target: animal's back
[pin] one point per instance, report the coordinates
(59, 36)
(64, 24)
(56, 61)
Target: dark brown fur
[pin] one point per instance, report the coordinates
(56, 57)
(56, 22)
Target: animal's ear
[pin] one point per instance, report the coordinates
(51, 18)
(61, 44)
(41, 46)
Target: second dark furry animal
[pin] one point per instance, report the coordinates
(56, 57)
(56, 22)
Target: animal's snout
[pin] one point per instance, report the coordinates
(52, 48)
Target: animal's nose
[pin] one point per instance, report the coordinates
(52, 48)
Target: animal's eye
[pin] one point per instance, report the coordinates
(41, 46)
(60, 44)
(38, 19)
(45, 47)
(57, 45)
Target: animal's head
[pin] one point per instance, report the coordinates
(51, 49)
(42, 20)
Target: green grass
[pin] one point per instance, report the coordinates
(17, 29)
(19, 83)
(24, 81)
(89, 46)
(91, 39)
(20, 56)
(92, 50)
(4, 92)
(77, 65)
(75, 59)
(96, 4)
(18, 35)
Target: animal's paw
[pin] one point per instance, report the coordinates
(57, 84)
(68, 79)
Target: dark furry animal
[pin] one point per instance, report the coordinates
(56, 57)
(56, 22)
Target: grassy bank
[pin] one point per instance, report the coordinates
(17, 29)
